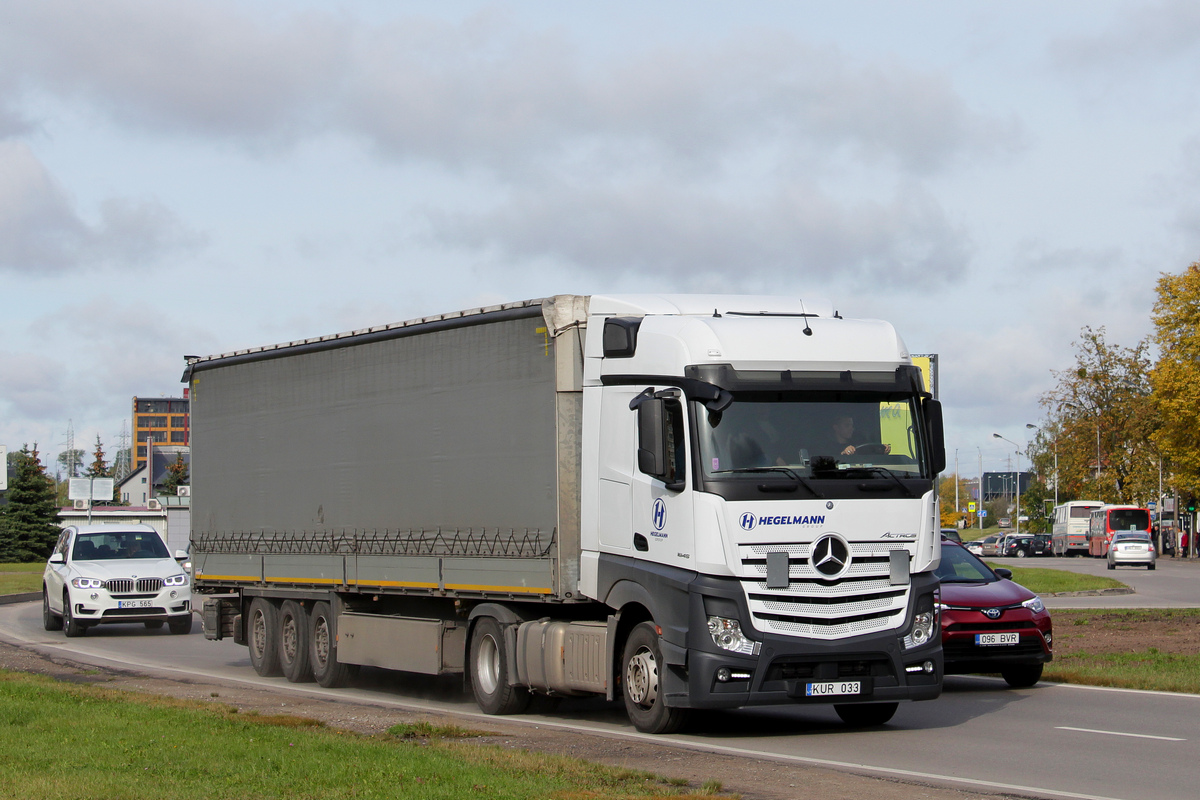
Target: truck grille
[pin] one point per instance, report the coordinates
(127, 585)
(862, 600)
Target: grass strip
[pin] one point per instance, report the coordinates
(71, 741)
(1149, 669)
(1050, 581)
(1091, 647)
(21, 578)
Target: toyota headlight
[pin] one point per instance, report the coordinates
(727, 634)
(1035, 605)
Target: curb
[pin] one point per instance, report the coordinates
(7, 599)
(1092, 593)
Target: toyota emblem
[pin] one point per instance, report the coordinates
(830, 556)
(992, 613)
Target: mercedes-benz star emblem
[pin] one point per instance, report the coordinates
(830, 556)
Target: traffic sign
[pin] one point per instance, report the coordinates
(983, 512)
(971, 506)
(1151, 505)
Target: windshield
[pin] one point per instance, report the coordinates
(1131, 537)
(959, 566)
(112, 545)
(851, 435)
(1129, 519)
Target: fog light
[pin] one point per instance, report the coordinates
(172, 594)
(928, 667)
(95, 596)
(723, 675)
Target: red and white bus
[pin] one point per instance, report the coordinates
(1069, 536)
(1107, 520)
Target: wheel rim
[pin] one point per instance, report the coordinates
(289, 638)
(259, 634)
(487, 664)
(321, 641)
(68, 618)
(641, 678)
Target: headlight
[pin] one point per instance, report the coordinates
(175, 580)
(727, 634)
(87, 583)
(924, 623)
(1035, 605)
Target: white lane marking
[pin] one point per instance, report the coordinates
(1121, 733)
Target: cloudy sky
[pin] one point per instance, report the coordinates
(200, 176)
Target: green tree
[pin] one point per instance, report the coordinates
(177, 475)
(70, 462)
(950, 514)
(1101, 418)
(1176, 376)
(30, 526)
(99, 468)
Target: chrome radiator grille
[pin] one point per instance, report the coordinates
(861, 600)
(127, 585)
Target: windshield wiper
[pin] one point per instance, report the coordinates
(883, 471)
(785, 470)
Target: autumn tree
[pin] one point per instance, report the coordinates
(1176, 376)
(177, 475)
(1101, 419)
(29, 527)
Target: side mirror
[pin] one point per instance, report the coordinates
(1003, 573)
(652, 451)
(937, 436)
(57, 558)
(181, 555)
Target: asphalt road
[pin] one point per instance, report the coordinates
(1174, 583)
(1053, 741)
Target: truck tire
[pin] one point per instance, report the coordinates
(489, 671)
(293, 642)
(322, 649)
(262, 635)
(72, 627)
(866, 715)
(641, 663)
(50, 620)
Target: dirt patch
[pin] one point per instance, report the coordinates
(753, 779)
(1133, 631)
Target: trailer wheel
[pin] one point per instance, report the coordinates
(489, 671)
(641, 664)
(263, 637)
(322, 649)
(866, 715)
(293, 642)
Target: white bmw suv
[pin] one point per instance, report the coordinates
(102, 574)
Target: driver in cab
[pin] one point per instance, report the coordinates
(843, 436)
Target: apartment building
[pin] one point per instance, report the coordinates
(159, 421)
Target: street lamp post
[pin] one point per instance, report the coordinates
(1018, 447)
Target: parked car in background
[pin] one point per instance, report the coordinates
(990, 623)
(1041, 545)
(1133, 548)
(100, 574)
(952, 534)
(1017, 546)
(975, 548)
(991, 545)
(1005, 522)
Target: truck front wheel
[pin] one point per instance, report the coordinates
(489, 671)
(322, 649)
(293, 642)
(645, 703)
(866, 715)
(263, 637)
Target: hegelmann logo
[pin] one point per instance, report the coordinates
(660, 514)
(750, 521)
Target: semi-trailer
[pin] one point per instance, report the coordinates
(681, 501)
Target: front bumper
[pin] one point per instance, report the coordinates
(962, 655)
(785, 665)
(97, 606)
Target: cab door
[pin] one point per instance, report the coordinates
(663, 529)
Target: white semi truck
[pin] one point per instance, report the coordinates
(685, 502)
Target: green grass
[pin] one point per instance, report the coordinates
(1049, 581)
(70, 741)
(19, 578)
(1156, 668)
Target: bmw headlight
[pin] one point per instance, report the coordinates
(87, 583)
(727, 634)
(175, 580)
(1035, 605)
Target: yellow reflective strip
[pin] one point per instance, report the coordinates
(405, 584)
(467, 587)
(303, 580)
(208, 577)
